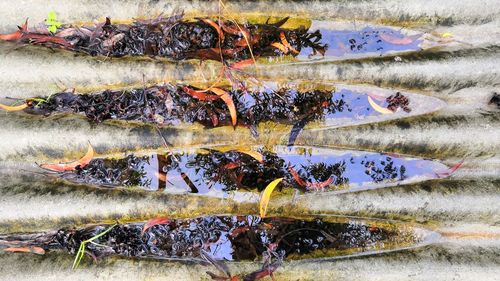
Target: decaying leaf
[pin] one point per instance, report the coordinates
(84, 161)
(266, 195)
(378, 108)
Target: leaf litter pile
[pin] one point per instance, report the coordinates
(232, 238)
(211, 170)
(175, 104)
(175, 38)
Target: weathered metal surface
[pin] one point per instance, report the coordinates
(463, 73)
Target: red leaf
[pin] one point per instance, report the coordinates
(154, 222)
(451, 170)
(232, 165)
(319, 185)
(296, 176)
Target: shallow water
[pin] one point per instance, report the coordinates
(452, 78)
(214, 172)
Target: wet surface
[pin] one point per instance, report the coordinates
(230, 238)
(176, 38)
(463, 207)
(212, 171)
(176, 104)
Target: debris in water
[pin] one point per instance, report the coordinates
(215, 238)
(170, 105)
(174, 38)
(209, 169)
(266, 196)
(84, 161)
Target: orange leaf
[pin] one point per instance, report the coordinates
(199, 95)
(280, 47)
(31, 249)
(286, 44)
(13, 108)
(229, 102)
(216, 26)
(84, 161)
(242, 64)
(154, 222)
(15, 35)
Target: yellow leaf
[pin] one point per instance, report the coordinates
(13, 108)
(254, 154)
(446, 35)
(266, 195)
(378, 108)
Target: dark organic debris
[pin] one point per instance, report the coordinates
(398, 101)
(235, 170)
(216, 238)
(171, 105)
(174, 38)
(495, 100)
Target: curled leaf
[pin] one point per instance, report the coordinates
(13, 108)
(297, 177)
(319, 185)
(229, 102)
(216, 27)
(154, 222)
(199, 95)
(266, 195)
(378, 108)
(84, 161)
(254, 154)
